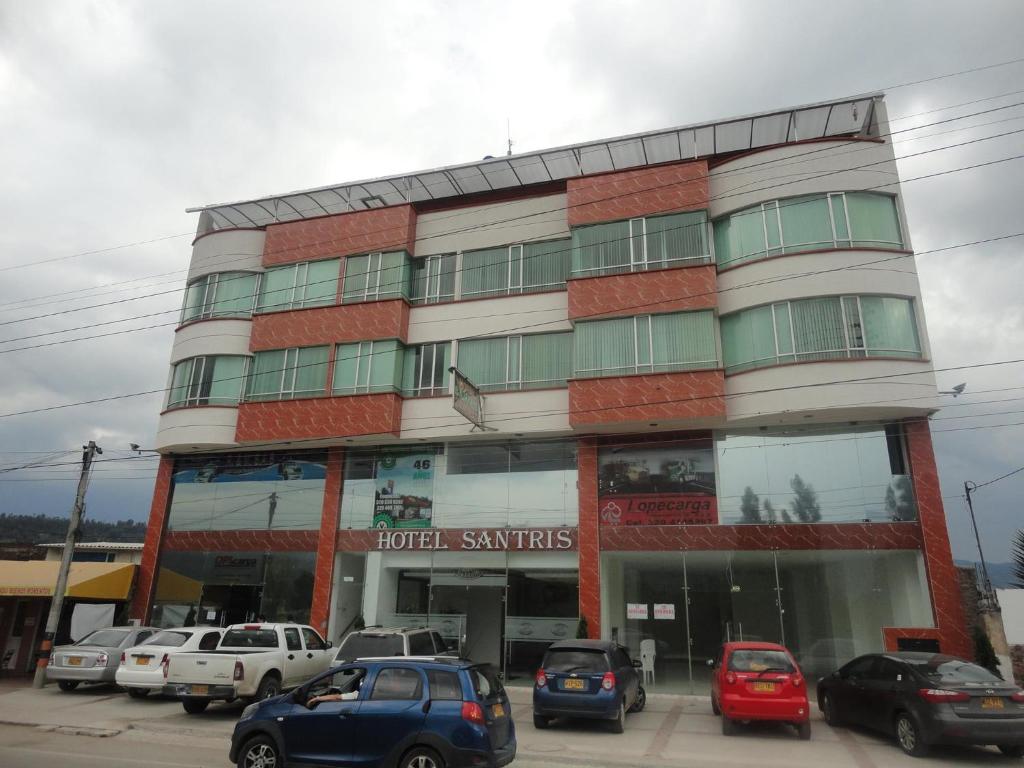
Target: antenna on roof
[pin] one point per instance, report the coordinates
(508, 133)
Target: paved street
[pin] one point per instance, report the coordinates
(95, 727)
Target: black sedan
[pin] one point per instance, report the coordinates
(924, 699)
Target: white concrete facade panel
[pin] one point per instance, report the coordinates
(487, 226)
(211, 337)
(545, 410)
(185, 429)
(229, 251)
(528, 313)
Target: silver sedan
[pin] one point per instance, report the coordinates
(94, 658)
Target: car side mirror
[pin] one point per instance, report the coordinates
(637, 663)
(300, 695)
(329, 645)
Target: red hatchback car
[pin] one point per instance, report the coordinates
(758, 681)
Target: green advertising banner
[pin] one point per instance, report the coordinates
(403, 490)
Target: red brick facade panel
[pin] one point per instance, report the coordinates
(241, 541)
(646, 398)
(642, 293)
(453, 539)
(364, 321)
(145, 582)
(942, 574)
(590, 536)
(662, 538)
(319, 417)
(642, 192)
(892, 635)
(346, 234)
(324, 576)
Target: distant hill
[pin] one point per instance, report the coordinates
(1001, 574)
(42, 529)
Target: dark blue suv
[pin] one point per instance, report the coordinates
(421, 712)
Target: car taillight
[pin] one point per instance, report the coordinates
(796, 680)
(730, 678)
(542, 678)
(472, 712)
(165, 662)
(102, 659)
(608, 681)
(1018, 697)
(122, 658)
(942, 696)
(239, 670)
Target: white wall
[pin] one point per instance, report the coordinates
(1012, 603)
(212, 337)
(529, 313)
(485, 226)
(231, 251)
(185, 428)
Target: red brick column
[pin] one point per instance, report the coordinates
(589, 537)
(145, 583)
(325, 547)
(942, 575)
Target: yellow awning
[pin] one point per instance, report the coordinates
(91, 581)
(172, 587)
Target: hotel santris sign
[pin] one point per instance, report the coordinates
(477, 540)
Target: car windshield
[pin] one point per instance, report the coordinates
(947, 669)
(249, 638)
(169, 638)
(485, 681)
(368, 645)
(576, 660)
(104, 637)
(747, 660)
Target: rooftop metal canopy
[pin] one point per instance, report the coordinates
(848, 117)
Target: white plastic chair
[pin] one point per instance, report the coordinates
(647, 655)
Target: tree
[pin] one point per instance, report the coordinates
(899, 499)
(1018, 559)
(769, 512)
(805, 505)
(749, 507)
(786, 518)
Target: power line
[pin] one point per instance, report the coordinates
(1001, 477)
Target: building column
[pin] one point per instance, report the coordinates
(943, 583)
(323, 578)
(145, 583)
(589, 536)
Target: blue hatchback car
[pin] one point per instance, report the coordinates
(589, 679)
(408, 712)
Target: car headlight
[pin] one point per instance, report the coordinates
(250, 711)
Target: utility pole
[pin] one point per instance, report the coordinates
(57, 604)
(968, 488)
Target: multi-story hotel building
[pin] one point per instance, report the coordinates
(705, 385)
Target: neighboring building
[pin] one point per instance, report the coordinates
(1012, 603)
(706, 385)
(97, 552)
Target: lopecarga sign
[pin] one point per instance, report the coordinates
(497, 540)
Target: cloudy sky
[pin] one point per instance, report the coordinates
(115, 116)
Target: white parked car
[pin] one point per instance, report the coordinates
(143, 668)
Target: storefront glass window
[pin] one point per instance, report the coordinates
(267, 491)
(462, 485)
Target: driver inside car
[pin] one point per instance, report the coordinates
(345, 687)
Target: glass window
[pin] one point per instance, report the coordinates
(397, 684)
(377, 276)
(813, 222)
(367, 366)
(827, 328)
(250, 638)
(444, 685)
(225, 294)
(433, 279)
(210, 380)
(654, 242)
(584, 660)
(210, 641)
(645, 344)
(360, 645)
(517, 362)
(168, 639)
(521, 268)
(104, 637)
(425, 370)
(948, 670)
(283, 374)
(420, 644)
(295, 286)
(486, 682)
(291, 639)
(313, 641)
(759, 661)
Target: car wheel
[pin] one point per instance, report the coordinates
(260, 752)
(67, 685)
(908, 736)
(422, 757)
(1011, 750)
(803, 730)
(195, 706)
(728, 726)
(715, 709)
(618, 725)
(269, 686)
(138, 693)
(640, 702)
(828, 710)
(540, 722)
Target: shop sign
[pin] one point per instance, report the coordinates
(403, 490)
(466, 398)
(636, 610)
(498, 540)
(670, 484)
(232, 569)
(665, 611)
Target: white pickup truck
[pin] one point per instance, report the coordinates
(252, 661)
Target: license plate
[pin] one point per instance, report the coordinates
(199, 690)
(574, 685)
(74, 661)
(498, 710)
(764, 687)
(992, 702)
(142, 660)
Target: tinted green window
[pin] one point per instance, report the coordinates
(425, 370)
(224, 294)
(517, 362)
(645, 344)
(210, 380)
(309, 284)
(377, 276)
(433, 279)
(368, 366)
(282, 374)
(654, 242)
